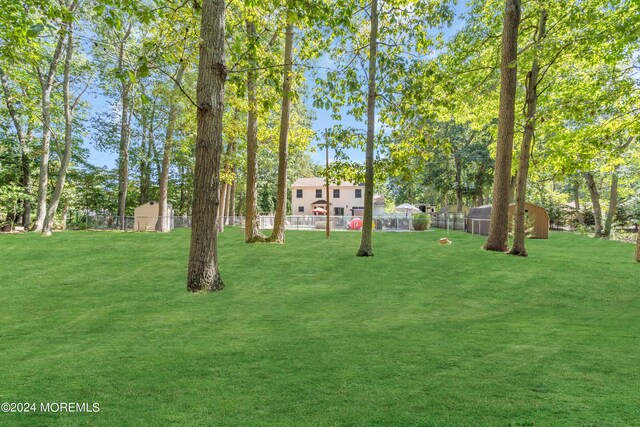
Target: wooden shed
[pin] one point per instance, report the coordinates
(479, 218)
(146, 217)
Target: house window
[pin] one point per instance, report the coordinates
(336, 194)
(338, 211)
(299, 194)
(300, 208)
(358, 193)
(319, 194)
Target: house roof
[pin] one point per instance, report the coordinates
(320, 202)
(319, 182)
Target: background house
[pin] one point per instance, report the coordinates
(344, 199)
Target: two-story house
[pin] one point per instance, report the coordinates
(308, 194)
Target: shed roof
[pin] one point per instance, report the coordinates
(483, 211)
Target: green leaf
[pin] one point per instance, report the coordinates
(35, 30)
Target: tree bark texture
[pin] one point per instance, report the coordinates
(163, 224)
(531, 101)
(499, 226)
(203, 273)
(613, 205)
(277, 235)
(47, 86)
(366, 246)
(252, 224)
(47, 227)
(576, 200)
(595, 202)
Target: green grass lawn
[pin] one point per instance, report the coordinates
(308, 334)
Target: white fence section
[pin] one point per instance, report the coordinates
(319, 222)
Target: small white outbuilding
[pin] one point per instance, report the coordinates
(146, 217)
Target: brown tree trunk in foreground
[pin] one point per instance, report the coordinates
(203, 274)
(613, 205)
(595, 202)
(164, 224)
(518, 247)
(277, 235)
(47, 226)
(499, 226)
(366, 247)
(252, 225)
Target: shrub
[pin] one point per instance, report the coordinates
(421, 221)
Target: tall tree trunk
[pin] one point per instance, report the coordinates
(47, 227)
(65, 214)
(576, 200)
(232, 200)
(252, 221)
(595, 202)
(458, 165)
(499, 226)
(277, 235)
(480, 184)
(152, 149)
(203, 273)
(366, 247)
(24, 140)
(181, 169)
(163, 224)
(25, 163)
(531, 102)
(227, 205)
(47, 86)
(224, 188)
(613, 205)
(125, 133)
(513, 184)
(145, 170)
